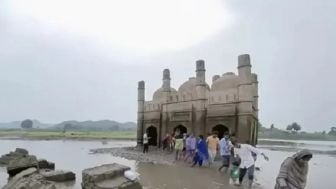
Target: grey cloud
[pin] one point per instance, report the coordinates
(55, 75)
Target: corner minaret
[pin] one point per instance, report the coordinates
(200, 72)
(141, 103)
(200, 80)
(166, 80)
(245, 102)
(245, 77)
(255, 92)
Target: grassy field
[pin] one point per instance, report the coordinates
(298, 136)
(131, 135)
(46, 134)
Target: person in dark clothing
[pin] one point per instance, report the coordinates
(201, 152)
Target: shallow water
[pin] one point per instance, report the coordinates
(303, 144)
(74, 156)
(68, 155)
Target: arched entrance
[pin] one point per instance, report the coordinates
(220, 129)
(152, 134)
(180, 129)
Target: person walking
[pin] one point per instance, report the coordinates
(166, 142)
(190, 147)
(293, 171)
(184, 150)
(145, 142)
(244, 152)
(225, 146)
(213, 144)
(178, 146)
(201, 154)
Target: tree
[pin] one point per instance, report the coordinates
(294, 127)
(272, 128)
(27, 124)
(332, 131)
(289, 127)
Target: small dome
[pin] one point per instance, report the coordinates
(159, 94)
(228, 73)
(189, 86)
(227, 81)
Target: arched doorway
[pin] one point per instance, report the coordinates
(152, 134)
(180, 129)
(220, 129)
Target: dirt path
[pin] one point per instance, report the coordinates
(155, 156)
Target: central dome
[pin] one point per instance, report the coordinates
(227, 81)
(159, 94)
(189, 86)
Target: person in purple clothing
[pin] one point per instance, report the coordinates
(190, 147)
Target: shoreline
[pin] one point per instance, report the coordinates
(65, 138)
(70, 135)
(261, 141)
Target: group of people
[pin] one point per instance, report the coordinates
(240, 158)
(183, 144)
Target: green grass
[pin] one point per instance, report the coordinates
(47, 134)
(298, 136)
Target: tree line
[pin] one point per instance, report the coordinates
(295, 128)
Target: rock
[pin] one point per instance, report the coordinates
(58, 175)
(44, 164)
(17, 165)
(4, 159)
(17, 177)
(21, 151)
(109, 176)
(33, 181)
(13, 181)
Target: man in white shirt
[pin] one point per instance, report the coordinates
(225, 146)
(145, 142)
(244, 152)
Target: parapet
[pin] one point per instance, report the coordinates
(141, 85)
(200, 65)
(244, 60)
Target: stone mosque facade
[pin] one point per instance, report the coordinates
(229, 105)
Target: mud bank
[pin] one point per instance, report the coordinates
(155, 155)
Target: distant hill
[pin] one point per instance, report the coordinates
(102, 125)
(17, 124)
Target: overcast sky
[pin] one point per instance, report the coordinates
(71, 59)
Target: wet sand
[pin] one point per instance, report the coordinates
(162, 171)
(180, 176)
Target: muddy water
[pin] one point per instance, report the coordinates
(68, 155)
(74, 155)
